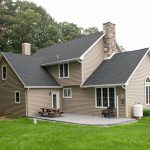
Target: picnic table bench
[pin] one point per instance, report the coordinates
(50, 112)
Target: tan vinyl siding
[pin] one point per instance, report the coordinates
(120, 92)
(83, 101)
(38, 98)
(93, 58)
(74, 74)
(7, 93)
(136, 87)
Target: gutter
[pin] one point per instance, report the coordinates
(43, 87)
(61, 61)
(102, 85)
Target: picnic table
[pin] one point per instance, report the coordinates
(50, 112)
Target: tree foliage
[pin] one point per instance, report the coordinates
(25, 22)
(90, 30)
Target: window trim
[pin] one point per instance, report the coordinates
(147, 84)
(102, 96)
(63, 70)
(19, 97)
(3, 71)
(70, 92)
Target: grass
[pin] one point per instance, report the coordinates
(21, 134)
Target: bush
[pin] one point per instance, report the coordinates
(146, 113)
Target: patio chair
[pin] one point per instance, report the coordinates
(109, 112)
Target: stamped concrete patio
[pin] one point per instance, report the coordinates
(89, 120)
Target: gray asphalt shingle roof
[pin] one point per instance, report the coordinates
(116, 70)
(29, 70)
(67, 50)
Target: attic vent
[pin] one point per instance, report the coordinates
(57, 56)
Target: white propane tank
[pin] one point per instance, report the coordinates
(138, 110)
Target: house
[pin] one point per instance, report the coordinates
(82, 76)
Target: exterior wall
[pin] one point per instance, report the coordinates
(37, 98)
(74, 74)
(120, 92)
(136, 88)
(7, 93)
(92, 60)
(83, 101)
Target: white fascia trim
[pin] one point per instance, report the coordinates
(137, 67)
(110, 56)
(102, 85)
(13, 70)
(82, 56)
(43, 87)
(59, 62)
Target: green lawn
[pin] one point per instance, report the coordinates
(21, 134)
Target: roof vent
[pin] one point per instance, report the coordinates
(57, 56)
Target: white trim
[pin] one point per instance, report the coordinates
(62, 61)
(19, 97)
(63, 70)
(103, 85)
(102, 97)
(13, 69)
(147, 84)
(57, 100)
(137, 67)
(82, 56)
(70, 93)
(43, 87)
(2, 72)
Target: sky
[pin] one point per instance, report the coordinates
(132, 17)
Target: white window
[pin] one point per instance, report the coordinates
(147, 90)
(67, 93)
(17, 96)
(4, 72)
(105, 97)
(64, 70)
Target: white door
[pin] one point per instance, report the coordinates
(55, 100)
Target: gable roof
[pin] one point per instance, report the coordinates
(29, 71)
(116, 70)
(68, 50)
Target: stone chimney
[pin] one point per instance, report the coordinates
(109, 39)
(26, 49)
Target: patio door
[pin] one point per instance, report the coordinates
(55, 100)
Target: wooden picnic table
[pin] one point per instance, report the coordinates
(51, 112)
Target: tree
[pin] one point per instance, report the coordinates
(23, 21)
(90, 30)
(69, 31)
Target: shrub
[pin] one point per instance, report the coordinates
(146, 113)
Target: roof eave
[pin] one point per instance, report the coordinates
(102, 85)
(43, 87)
(58, 62)
(127, 82)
